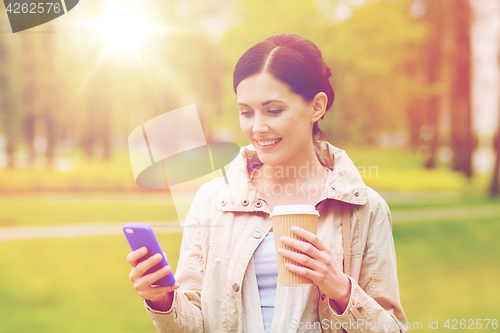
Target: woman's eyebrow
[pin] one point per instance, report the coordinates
(264, 103)
(271, 101)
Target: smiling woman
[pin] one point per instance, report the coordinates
(279, 122)
(227, 274)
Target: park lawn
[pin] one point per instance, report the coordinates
(401, 170)
(73, 285)
(449, 269)
(427, 200)
(57, 208)
(70, 208)
(446, 269)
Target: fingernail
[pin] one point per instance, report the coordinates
(280, 251)
(144, 250)
(294, 229)
(283, 239)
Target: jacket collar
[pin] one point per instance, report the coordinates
(239, 195)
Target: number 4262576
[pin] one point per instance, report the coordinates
(471, 324)
(33, 8)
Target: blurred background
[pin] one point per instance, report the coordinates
(417, 110)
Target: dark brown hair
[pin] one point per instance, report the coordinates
(290, 59)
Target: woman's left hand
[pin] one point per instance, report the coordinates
(320, 267)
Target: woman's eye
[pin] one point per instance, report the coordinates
(245, 113)
(275, 111)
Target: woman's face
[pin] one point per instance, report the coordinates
(277, 121)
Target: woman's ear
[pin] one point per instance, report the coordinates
(318, 106)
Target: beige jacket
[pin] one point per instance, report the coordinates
(218, 287)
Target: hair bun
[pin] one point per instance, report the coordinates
(328, 72)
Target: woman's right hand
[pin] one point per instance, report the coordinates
(158, 297)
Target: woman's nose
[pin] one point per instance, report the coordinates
(260, 125)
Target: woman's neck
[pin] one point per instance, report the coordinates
(305, 167)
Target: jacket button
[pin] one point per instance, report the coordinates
(223, 203)
(356, 194)
(333, 189)
(323, 297)
(236, 287)
(257, 234)
(258, 204)
(245, 202)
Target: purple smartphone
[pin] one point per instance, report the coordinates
(142, 235)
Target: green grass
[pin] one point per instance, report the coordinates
(93, 175)
(426, 203)
(400, 170)
(449, 269)
(385, 158)
(72, 285)
(46, 209)
(446, 270)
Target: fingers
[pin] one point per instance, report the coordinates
(143, 283)
(141, 268)
(303, 271)
(134, 256)
(153, 277)
(310, 237)
(299, 258)
(302, 246)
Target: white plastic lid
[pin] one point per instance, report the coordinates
(294, 210)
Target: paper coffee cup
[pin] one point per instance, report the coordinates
(284, 217)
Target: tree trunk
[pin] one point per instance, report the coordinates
(433, 61)
(29, 136)
(495, 182)
(6, 112)
(51, 132)
(462, 141)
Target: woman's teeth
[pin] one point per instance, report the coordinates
(267, 143)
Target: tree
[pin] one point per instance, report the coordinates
(433, 55)
(29, 89)
(8, 118)
(495, 183)
(462, 140)
(495, 191)
(425, 68)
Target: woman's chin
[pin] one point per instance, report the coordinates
(268, 160)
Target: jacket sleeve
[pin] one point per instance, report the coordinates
(185, 315)
(374, 304)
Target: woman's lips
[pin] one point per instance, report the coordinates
(267, 147)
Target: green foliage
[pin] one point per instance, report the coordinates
(101, 99)
(368, 53)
